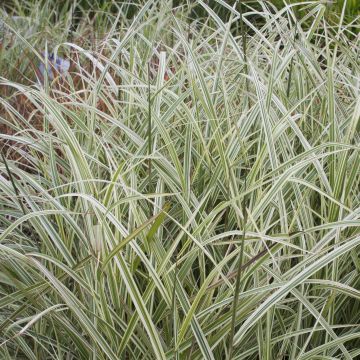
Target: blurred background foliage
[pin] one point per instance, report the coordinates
(352, 7)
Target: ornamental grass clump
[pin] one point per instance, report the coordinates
(186, 189)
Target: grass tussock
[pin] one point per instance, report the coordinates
(189, 189)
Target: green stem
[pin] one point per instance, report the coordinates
(149, 134)
(238, 277)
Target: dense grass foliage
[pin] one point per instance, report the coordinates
(185, 191)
